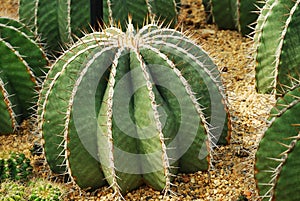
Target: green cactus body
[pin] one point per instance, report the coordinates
(41, 190)
(57, 21)
(14, 166)
(233, 14)
(277, 158)
(21, 63)
(12, 191)
(277, 47)
(110, 106)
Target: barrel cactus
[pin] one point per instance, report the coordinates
(277, 158)
(11, 191)
(21, 64)
(14, 166)
(42, 190)
(233, 14)
(128, 108)
(277, 47)
(58, 21)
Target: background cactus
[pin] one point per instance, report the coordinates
(21, 63)
(146, 65)
(14, 166)
(58, 21)
(277, 47)
(232, 14)
(277, 158)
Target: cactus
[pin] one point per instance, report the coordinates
(21, 63)
(125, 107)
(12, 191)
(277, 47)
(277, 158)
(41, 190)
(57, 21)
(232, 14)
(14, 166)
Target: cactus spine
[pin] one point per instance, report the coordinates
(21, 62)
(277, 157)
(232, 14)
(57, 21)
(134, 128)
(14, 166)
(277, 47)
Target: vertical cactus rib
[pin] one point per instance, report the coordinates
(276, 47)
(8, 123)
(64, 20)
(277, 144)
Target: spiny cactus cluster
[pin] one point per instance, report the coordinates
(21, 63)
(277, 47)
(128, 108)
(35, 190)
(15, 166)
(233, 14)
(278, 155)
(58, 21)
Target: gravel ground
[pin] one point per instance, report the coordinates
(232, 177)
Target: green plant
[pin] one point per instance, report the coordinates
(41, 190)
(132, 101)
(58, 21)
(12, 191)
(277, 158)
(277, 47)
(232, 14)
(14, 166)
(21, 63)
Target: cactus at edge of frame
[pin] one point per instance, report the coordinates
(277, 159)
(277, 47)
(22, 63)
(233, 14)
(132, 107)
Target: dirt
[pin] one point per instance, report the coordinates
(232, 178)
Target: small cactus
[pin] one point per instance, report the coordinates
(127, 107)
(12, 191)
(277, 47)
(41, 190)
(14, 166)
(277, 158)
(232, 14)
(21, 63)
(57, 21)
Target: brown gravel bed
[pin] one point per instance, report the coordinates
(232, 177)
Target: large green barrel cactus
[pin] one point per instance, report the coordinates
(22, 61)
(277, 158)
(233, 14)
(128, 108)
(58, 21)
(277, 46)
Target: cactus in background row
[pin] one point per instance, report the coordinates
(58, 21)
(131, 101)
(277, 158)
(14, 166)
(277, 46)
(21, 63)
(232, 14)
